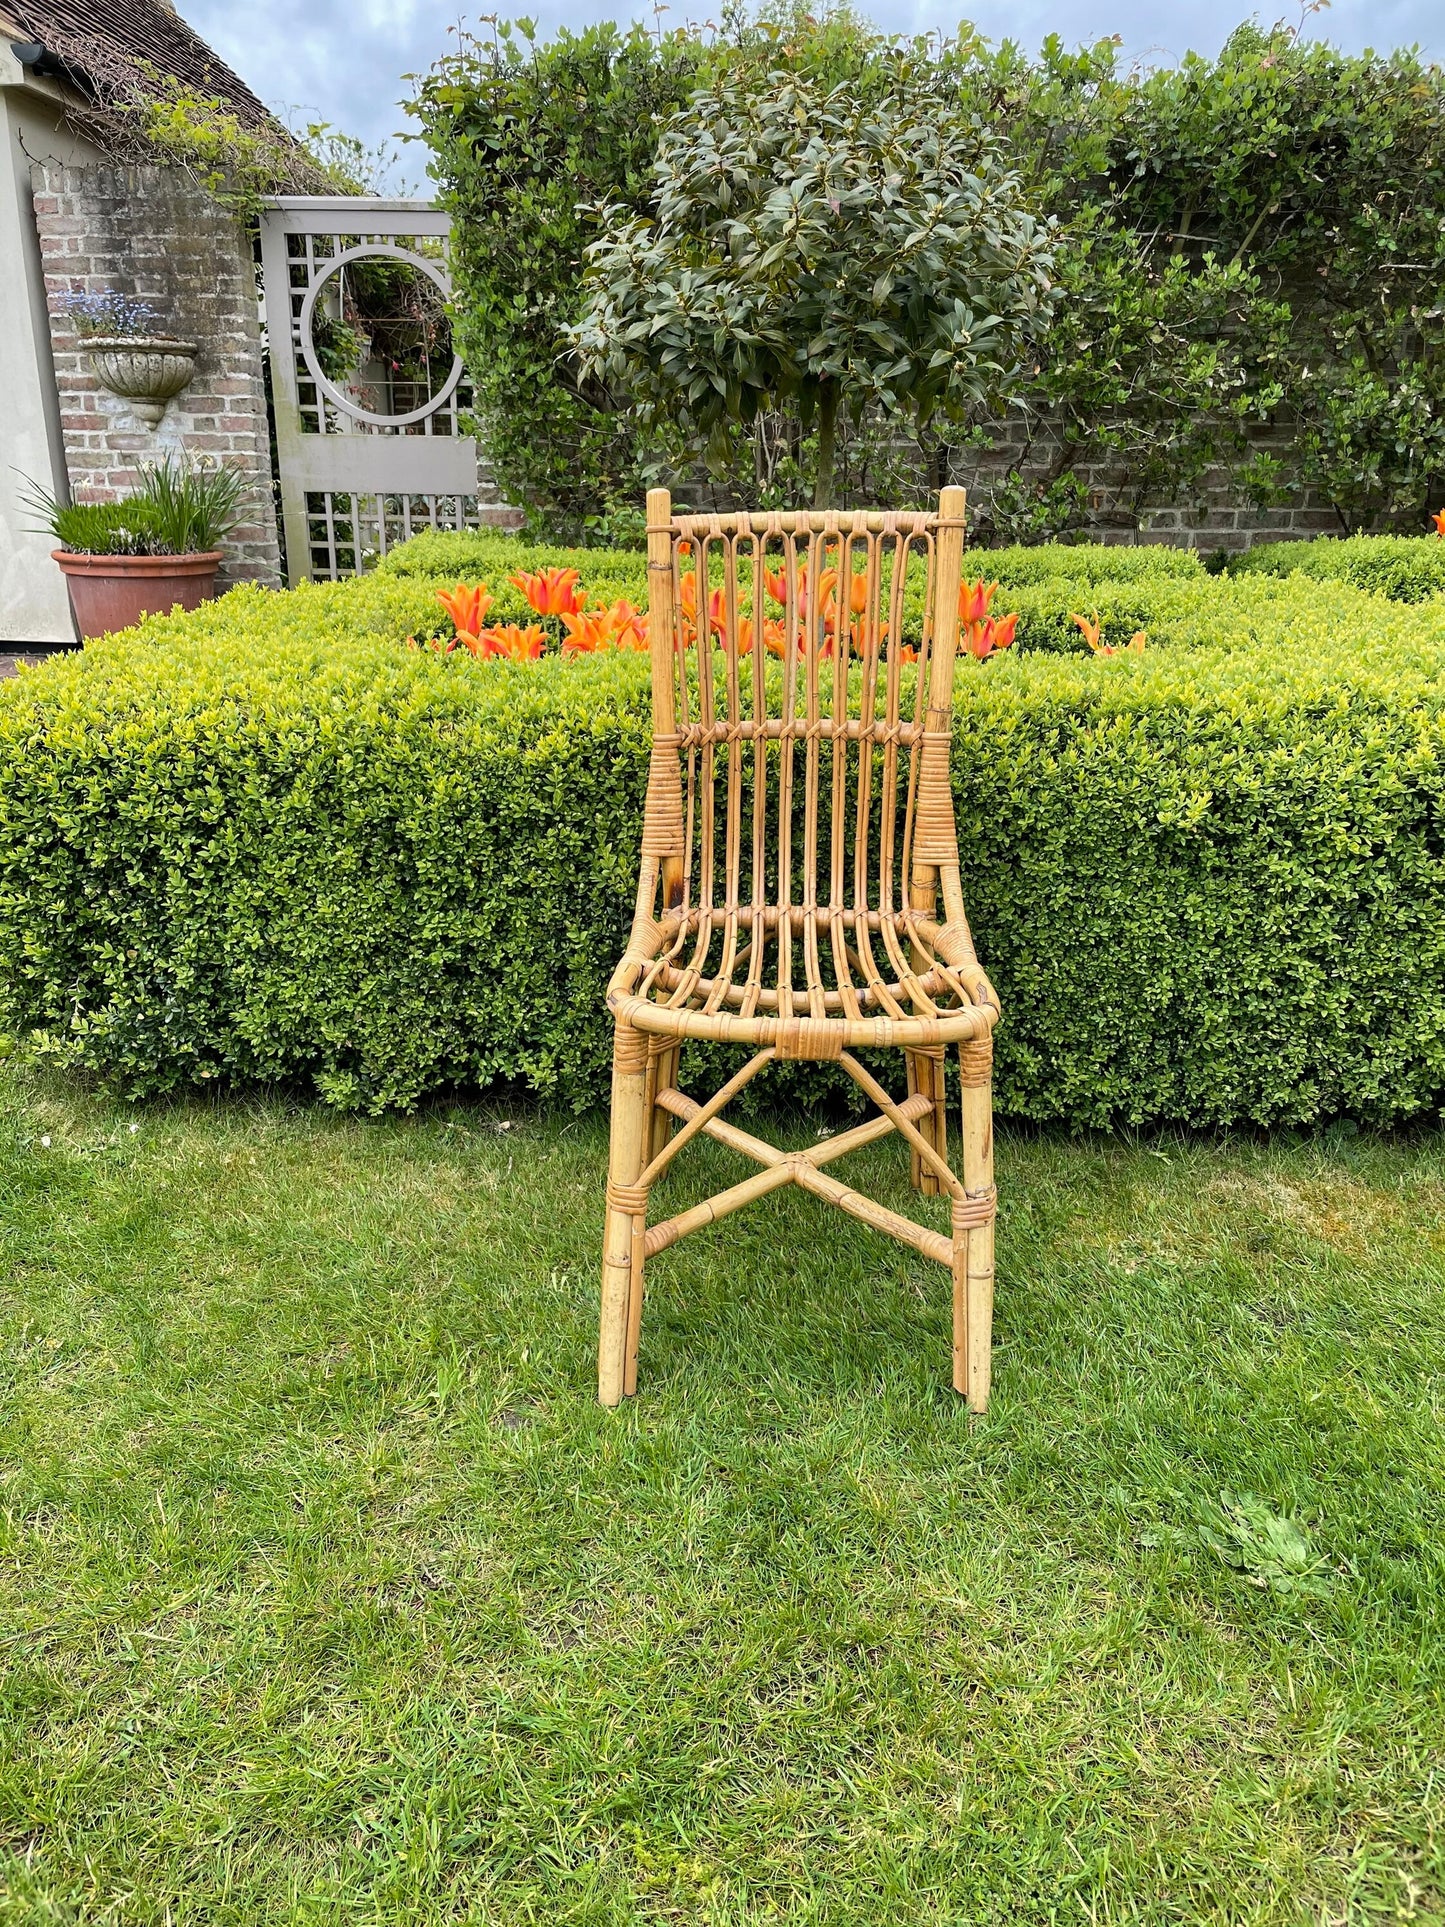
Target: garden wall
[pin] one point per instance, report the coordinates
(153, 232)
(1213, 517)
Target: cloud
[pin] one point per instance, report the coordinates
(343, 61)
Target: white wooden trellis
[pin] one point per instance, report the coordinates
(353, 479)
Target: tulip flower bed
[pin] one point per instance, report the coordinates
(555, 593)
(1128, 589)
(267, 842)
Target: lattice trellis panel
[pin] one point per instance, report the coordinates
(368, 404)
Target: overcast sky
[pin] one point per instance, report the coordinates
(343, 60)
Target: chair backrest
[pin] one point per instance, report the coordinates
(802, 675)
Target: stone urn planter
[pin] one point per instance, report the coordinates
(145, 370)
(110, 592)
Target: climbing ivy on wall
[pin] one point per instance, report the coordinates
(1252, 240)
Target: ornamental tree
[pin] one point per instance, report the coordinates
(810, 248)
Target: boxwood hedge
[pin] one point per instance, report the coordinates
(265, 842)
(474, 552)
(1406, 568)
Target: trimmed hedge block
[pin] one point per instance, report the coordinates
(1406, 568)
(265, 842)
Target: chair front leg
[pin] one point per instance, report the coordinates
(626, 1220)
(973, 1224)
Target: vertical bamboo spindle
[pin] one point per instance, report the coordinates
(919, 1172)
(925, 1077)
(664, 799)
(626, 1219)
(664, 788)
(662, 1077)
(973, 1247)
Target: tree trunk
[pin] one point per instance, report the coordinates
(827, 445)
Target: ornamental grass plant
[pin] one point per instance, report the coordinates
(182, 507)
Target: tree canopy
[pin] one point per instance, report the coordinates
(806, 246)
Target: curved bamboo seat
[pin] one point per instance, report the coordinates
(798, 835)
(671, 995)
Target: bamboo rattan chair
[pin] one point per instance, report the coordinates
(798, 833)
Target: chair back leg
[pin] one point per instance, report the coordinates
(626, 1225)
(925, 1077)
(973, 1223)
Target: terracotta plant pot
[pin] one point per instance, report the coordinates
(145, 370)
(109, 592)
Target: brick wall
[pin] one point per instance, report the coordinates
(1212, 516)
(152, 232)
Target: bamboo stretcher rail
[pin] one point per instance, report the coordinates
(780, 1168)
(702, 1115)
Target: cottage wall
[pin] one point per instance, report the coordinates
(153, 232)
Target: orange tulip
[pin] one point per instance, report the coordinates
(777, 587)
(687, 598)
(517, 645)
(687, 609)
(983, 639)
(827, 583)
(1438, 518)
(467, 607)
(629, 625)
(857, 599)
(551, 592)
(1089, 628)
(908, 653)
(974, 599)
(1133, 647)
(618, 627)
(585, 633)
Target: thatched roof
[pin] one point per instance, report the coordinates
(92, 42)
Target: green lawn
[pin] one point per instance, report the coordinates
(328, 1594)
